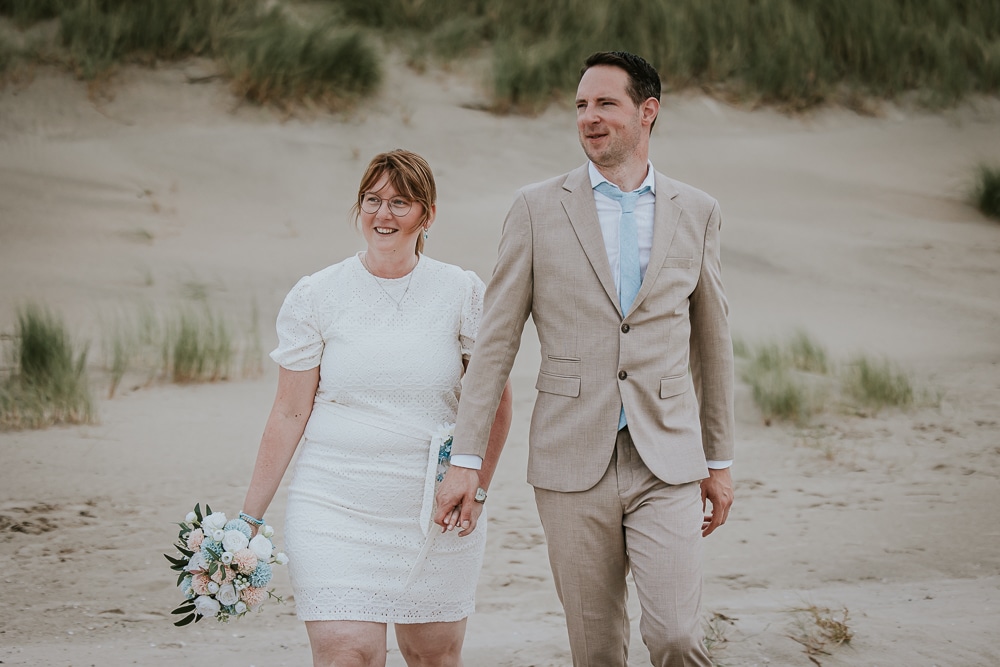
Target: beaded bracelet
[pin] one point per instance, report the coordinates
(249, 519)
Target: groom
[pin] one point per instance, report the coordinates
(632, 430)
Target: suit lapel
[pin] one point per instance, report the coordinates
(666, 216)
(578, 202)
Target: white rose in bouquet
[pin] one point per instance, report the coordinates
(191, 516)
(217, 534)
(234, 540)
(281, 558)
(214, 521)
(261, 546)
(240, 607)
(197, 563)
(207, 606)
(227, 595)
(267, 531)
(213, 587)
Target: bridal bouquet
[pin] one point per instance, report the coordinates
(222, 570)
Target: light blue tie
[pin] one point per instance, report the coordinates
(629, 274)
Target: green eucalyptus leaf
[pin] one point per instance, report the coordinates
(187, 619)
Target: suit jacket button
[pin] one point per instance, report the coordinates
(622, 375)
(625, 327)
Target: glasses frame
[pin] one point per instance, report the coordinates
(396, 211)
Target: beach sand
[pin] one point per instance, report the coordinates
(852, 228)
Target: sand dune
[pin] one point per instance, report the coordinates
(853, 228)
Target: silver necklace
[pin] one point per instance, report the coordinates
(378, 281)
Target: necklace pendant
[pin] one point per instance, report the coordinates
(378, 281)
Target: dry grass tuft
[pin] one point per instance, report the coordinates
(821, 630)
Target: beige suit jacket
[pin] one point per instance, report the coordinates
(669, 360)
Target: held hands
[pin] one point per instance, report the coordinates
(717, 489)
(456, 504)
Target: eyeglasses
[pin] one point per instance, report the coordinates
(372, 203)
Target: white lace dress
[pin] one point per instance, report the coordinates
(358, 526)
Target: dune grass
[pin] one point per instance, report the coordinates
(985, 191)
(271, 55)
(786, 378)
(26, 12)
(445, 29)
(48, 383)
(275, 60)
(786, 52)
(198, 347)
(791, 53)
(877, 383)
(192, 343)
(794, 380)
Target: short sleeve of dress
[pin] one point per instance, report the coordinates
(300, 341)
(472, 313)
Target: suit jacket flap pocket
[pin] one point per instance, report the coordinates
(563, 385)
(677, 263)
(674, 386)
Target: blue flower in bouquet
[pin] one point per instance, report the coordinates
(240, 525)
(260, 576)
(211, 549)
(186, 587)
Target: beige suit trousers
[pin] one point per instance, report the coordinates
(629, 520)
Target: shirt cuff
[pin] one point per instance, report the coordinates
(719, 465)
(467, 461)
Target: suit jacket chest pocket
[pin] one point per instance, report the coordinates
(678, 263)
(678, 275)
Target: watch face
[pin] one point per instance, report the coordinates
(480, 495)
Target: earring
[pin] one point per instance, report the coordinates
(426, 234)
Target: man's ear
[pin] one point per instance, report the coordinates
(649, 110)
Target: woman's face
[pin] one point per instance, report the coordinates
(385, 230)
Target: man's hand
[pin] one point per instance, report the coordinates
(456, 504)
(717, 489)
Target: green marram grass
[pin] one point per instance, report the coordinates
(198, 348)
(789, 53)
(275, 60)
(794, 380)
(272, 55)
(48, 383)
(193, 343)
(27, 12)
(782, 378)
(794, 54)
(985, 194)
(874, 384)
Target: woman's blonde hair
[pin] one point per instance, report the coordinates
(409, 174)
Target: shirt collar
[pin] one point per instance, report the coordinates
(596, 177)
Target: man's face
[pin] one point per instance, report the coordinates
(610, 124)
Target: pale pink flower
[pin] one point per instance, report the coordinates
(245, 560)
(199, 583)
(195, 538)
(224, 575)
(253, 596)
